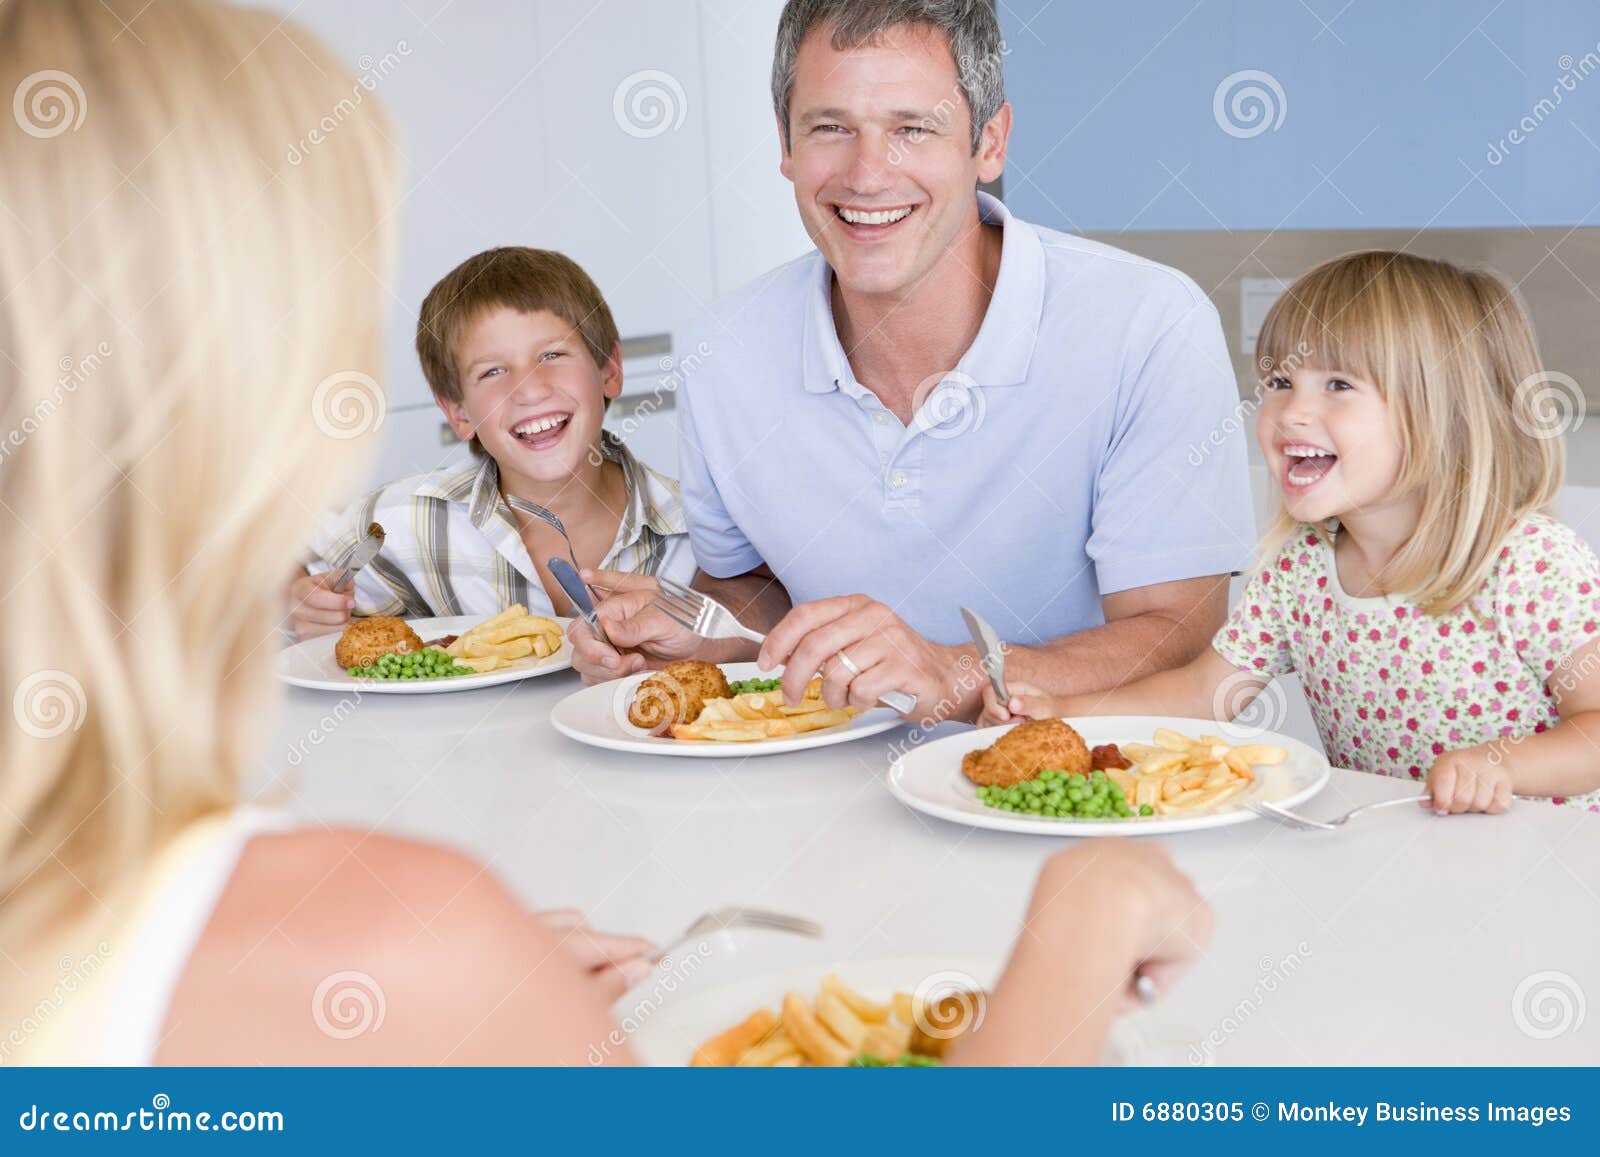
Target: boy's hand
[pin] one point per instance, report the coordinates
(1027, 702)
(1474, 779)
(315, 608)
(615, 963)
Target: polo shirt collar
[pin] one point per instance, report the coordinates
(1003, 350)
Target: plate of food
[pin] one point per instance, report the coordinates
(898, 1012)
(708, 711)
(381, 653)
(1109, 776)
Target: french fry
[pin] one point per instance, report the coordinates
(1138, 751)
(773, 1050)
(840, 1021)
(1171, 740)
(1164, 761)
(819, 1046)
(1261, 753)
(887, 1041)
(905, 1010)
(1239, 764)
(868, 1010)
(727, 1047)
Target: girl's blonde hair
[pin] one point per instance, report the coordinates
(189, 336)
(1453, 353)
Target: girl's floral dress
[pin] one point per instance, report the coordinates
(1392, 688)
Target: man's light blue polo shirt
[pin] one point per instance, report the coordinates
(1070, 454)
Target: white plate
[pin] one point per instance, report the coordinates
(311, 664)
(667, 1018)
(929, 779)
(598, 716)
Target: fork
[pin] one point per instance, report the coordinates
(702, 615)
(1307, 824)
(738, 916)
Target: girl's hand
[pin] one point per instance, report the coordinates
(1027, 702)
(1474, 779)
(615, 963)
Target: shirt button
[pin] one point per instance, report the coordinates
(899, 478)
(881, 418)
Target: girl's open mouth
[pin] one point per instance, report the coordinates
(542, 432)
(1307, 466)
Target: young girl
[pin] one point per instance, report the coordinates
(1442, 622)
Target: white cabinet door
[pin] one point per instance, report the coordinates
(620, 92)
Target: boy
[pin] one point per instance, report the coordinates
(522, 355)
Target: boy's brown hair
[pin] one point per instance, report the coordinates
(513, 277)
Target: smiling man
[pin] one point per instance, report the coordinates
(943, 406)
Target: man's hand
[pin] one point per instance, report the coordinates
(1474, 779)
(879, 653)
(315, 608)
(642, 638)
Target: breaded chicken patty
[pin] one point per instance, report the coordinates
(1025, 751)
(676, 695)
(367, 640)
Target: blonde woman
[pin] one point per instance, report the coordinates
(1445, 627)
(179, 302)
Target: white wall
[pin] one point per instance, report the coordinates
(507, 115)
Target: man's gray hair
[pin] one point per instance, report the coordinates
(971, 26)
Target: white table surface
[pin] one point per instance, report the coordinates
(1402, 939)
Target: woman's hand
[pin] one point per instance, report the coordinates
(614, 963)
(1474, 779)
(1101, 913)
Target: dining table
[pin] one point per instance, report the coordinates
(1403, 938)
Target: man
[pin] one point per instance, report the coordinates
(942, 406)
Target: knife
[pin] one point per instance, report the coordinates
(564, 573)
(361, 554)
(990, 652)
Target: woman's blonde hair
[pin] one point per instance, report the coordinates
(189, 341)
(1453, 353)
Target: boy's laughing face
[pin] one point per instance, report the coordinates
(531, 393)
